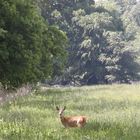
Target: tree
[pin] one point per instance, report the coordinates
(28, 46)
(101, 39)
(120, 59)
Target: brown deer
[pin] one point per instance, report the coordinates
(72, 121)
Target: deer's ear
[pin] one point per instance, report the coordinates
(57, 108)
(64, 108)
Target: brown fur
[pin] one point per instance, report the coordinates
(72, 121)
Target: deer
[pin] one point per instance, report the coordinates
(71, 121)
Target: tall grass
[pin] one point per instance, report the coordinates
(113, 114)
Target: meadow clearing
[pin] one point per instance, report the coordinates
(113, 113)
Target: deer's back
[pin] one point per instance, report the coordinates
(73, 121)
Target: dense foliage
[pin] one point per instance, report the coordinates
(29, 48)
(103, 38)
(103, 41)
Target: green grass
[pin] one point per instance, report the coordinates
(113, 114)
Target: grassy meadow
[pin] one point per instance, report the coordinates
(113, 113)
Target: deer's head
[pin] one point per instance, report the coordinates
(60, 110)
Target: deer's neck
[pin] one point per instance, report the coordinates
(62, 118)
